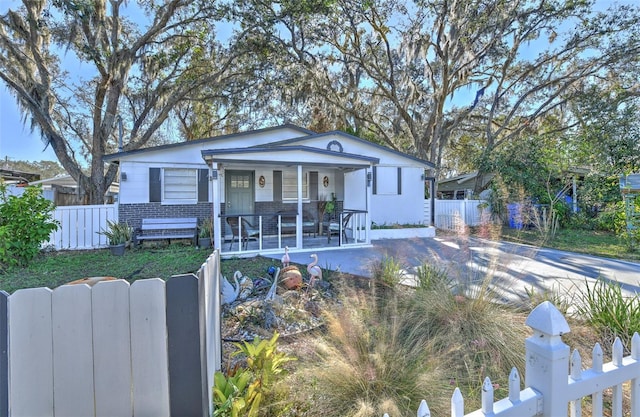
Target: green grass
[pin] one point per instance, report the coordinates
(53, 269)
(589, 242)
(57, 268)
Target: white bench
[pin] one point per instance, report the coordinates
(167, 229)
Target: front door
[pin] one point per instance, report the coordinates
(239, 192)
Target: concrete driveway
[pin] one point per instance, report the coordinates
(512, 267)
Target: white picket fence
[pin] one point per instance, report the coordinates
(555, 383)
(80, 226)
(146, 349)
(455, 214)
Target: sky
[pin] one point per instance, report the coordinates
(16, 140)
(18, 143)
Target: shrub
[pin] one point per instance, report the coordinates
(242, 393)
(367, 369)
(433, 278)
(612, 219)
(388, 271)
(25, 224)
(117, 233)
(386, 350)
(613, 313)
(556, 295)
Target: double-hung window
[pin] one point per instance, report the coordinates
(290, 185)
(178, 185)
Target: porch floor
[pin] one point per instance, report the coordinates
(270, 244)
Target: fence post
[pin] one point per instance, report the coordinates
(548, 358)
(188, 396)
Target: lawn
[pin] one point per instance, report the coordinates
(589, 242)
(56, 268)
(53, 269)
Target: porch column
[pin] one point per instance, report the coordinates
(214, 179)
(368, 193)
(299, 216)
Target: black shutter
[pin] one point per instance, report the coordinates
(313, 185)
(203, 185)
(155, 185)
(375, 180)
(399, 180)
(277, 185)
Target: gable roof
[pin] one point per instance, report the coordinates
(284, 144)
(464, 181)
(288, 154)
(118, 155)
(355, 139)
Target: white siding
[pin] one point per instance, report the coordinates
(407, 208)
(264, 193)
(356, 183)
(357, 147)
(324, 193)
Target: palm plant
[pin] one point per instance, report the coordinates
(117, 233)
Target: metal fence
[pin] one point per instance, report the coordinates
(555, 383)
(146, 349)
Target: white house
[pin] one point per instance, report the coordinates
(277, 179)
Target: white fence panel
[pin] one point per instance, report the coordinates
(31, 352)
(149, 348)
(72, 351)
(80, 226)
(111, 348)
(455, 214)
(209, 275)
(104, 350)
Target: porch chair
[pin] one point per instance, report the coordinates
(248, 231)
(334, 227)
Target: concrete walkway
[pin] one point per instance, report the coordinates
(513, 268)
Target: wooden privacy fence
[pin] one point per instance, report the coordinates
(555, 383)
(79, 226)
(114, 349)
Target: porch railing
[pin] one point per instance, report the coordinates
(266, 229)
(355, 226)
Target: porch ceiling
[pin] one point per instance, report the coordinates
(288, 155)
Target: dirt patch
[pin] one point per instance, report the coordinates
(296, 315)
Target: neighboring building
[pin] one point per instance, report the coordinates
(462, 186)
(19, 178)
(63, 191)
(263, 173)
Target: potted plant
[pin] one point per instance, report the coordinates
(119, 235)
(205, 233)
(326, 207)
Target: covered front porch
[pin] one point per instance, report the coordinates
(348, 230)
(266, 199)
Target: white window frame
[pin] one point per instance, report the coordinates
(290, 185)
(190, 180)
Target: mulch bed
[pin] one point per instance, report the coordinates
(294, 314)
